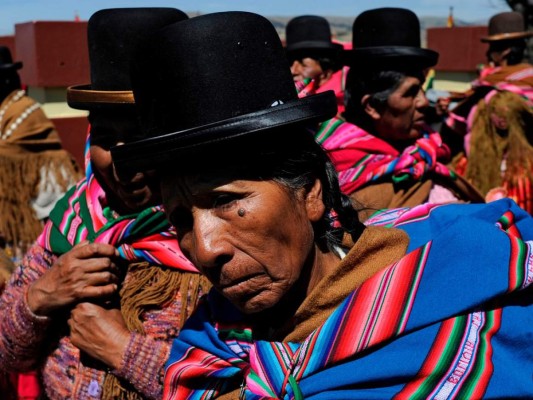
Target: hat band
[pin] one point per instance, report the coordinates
(80, 94)
(507, 36)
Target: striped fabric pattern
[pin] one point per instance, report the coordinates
(361, 158)
(83, 214)
(429, 326)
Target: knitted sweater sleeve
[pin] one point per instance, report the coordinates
(24, 334)
(143, 364)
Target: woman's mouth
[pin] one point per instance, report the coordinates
(247, 286)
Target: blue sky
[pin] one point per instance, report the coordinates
(17, 11)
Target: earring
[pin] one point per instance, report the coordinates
(241, 212)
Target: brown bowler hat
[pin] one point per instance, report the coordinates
(507, 26)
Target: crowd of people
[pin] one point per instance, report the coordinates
(264, 220)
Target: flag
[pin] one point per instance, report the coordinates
(450, 23)
(430, 78)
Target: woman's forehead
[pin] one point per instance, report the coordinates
(185, 187)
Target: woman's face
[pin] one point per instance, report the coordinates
(402, 119)
(305, 68)
(108, 130)
(252, 239)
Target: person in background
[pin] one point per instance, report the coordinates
(492, 125)
(500, 160)
(99, 297)
(309, 303)
(385, 153)
(315, 58)
(506, 70)
(507, 44)
(35, 171)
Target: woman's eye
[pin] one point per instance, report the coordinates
(224, 200)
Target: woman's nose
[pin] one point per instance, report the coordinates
(210, 245)
(422, 100)
(295, 68)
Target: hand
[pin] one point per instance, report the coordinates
(85, 272)
(496, 193)
(442, 106)
(100, 333)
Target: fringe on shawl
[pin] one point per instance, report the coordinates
(20, 182)
(152, 287)
(488, 147)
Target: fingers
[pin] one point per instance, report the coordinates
(101, 278)
(98, 264)
(86, 249)
(97, 292)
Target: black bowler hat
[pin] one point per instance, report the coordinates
(112, 35)
(309, 33)
(215, 80)
(388, 38)
(507, 26)
(6, 61)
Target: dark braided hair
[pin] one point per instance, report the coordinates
(297, 166)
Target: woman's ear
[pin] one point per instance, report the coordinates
(314, 203)
(369, 109)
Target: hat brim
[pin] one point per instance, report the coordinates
(83, 97)
(386, 55)
(15, 65)
(313, 45)
(172, 148)
(507, 36)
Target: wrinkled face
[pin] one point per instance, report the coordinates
(305, 68)
(402, 119)
(252, 239)
(108, 130)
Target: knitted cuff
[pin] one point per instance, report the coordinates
(30, 326)
(143, 364)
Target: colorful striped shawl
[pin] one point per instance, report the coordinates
(83, 214)
(451, 319)
(361, 158)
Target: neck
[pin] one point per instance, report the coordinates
(324, 77)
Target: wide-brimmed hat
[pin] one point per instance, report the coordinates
(6, 61)
(212, 81)
(309, 33)
(112, 35)
(506, 26)
(388, 37)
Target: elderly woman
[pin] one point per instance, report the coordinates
(307, 301)
(100, 296)
(385, 153)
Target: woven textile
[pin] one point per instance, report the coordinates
(83, 214)
(448, 320)
(361, 158)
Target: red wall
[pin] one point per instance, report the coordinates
(54, 53)
(9, 41)
(460, 48)
(73, 131)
